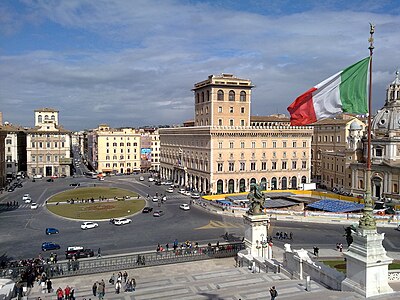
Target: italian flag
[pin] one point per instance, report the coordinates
(346, 91)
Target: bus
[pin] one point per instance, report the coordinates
(92, 175)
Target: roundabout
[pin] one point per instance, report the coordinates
(95, 203)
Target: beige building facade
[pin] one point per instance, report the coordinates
(48, 146)
(117, 150)
(336, 144)
(224, 153)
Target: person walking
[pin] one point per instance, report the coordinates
(134, 284)
(49, 285)
(94, 289)
(118, 287)
(67, 291)
(273, 292)
(101, 289)
(60, 294)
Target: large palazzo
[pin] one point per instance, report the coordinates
(223, 151)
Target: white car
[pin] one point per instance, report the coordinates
(155, 199)
(141, 178)
(195, 195)
(182, 191)
(122, 221)
(170, 190)
(187, 193)
(27, 198)
(184, 206)
(34, 205)
(168, 183)
(37, 176)
(89, 225)
(151, 179)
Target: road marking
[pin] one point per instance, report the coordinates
(218, 224)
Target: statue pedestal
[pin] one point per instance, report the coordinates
(367, 264)
(256, 235)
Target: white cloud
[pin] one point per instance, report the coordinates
(145, 56)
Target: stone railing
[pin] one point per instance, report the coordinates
(394, 275)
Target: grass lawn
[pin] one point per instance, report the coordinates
(89, 192)
(340, 265)
(97, 210)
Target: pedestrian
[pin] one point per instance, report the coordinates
(134, 284)
(341, 247)
(291, 235)
(112, 279)
(94, 289)
(49, 286)
(99, 253)
(273, 292)
(67, 291)
(316, 251)
(167, 247)
(337, 246)
(72, 294)
(125, 276)
(59, 293)
(101, 290)
(118, 287)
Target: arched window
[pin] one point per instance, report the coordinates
(274, 184)
(220, 186)
(284, 183)
(294, 182)
(263, 183)
(231, 96)
(303, 179)
(40, 119)
(220, 95)
(46, 117)
(202, 96)
(242, 185)
(242, 96)
(53, 118)
(197, 98)
(253, 180)
(208, 96)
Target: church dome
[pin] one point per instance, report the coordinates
(387, 118)
(355, 126)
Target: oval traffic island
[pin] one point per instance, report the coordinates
(95, 203)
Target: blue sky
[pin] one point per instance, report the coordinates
(134, 62)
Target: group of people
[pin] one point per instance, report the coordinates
(339, 247)
(99, 289)
(120, 281)
(284, 235)
(67, 294)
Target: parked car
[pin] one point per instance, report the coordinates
(34, 205)
(170, 190)
(89, 225)
(78, 252)
(155, 199)
(184, 206)
(50, 180)
(37, 176)
(158, 213)
(141, 178)
(46, 246)
(51, 230)
(122, 221)
(147, 210)
(151, 179)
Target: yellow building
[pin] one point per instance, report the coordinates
(48, 146)
(223, 152)
(117, 150)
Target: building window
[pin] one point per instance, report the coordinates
(253, 145)
(242, 110)
(33, 158)
(242, 96)
(220, 95)
(219, 145)
(219, 122)
(304, 165)
(252, 166)
(273, 144)
(231, 167)
(242, 166)
(242, 123)
(263, 165)
(263, 155)
(8, 141)
(220, 109)
(231, 145)
(220, 167)
(273, 165)
(284, 165)
(231, 122)
(231, 109)
(48, 145)
(378, 152)
(231, 95)
(274, 154)
(304, 144)
(242, 145)
(338, 139)
(40, 145)
(48, 158)
(294, 165)
(242, 155)
(284, 144)
(264, 144)
(294, 144)
(33, 144)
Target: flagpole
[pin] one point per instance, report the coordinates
(367, 220)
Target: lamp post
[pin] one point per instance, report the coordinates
(262, 244)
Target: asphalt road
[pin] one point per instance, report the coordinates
(22, 229)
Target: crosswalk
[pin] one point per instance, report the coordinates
(21, 206)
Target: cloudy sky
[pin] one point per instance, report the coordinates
(134, 62)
